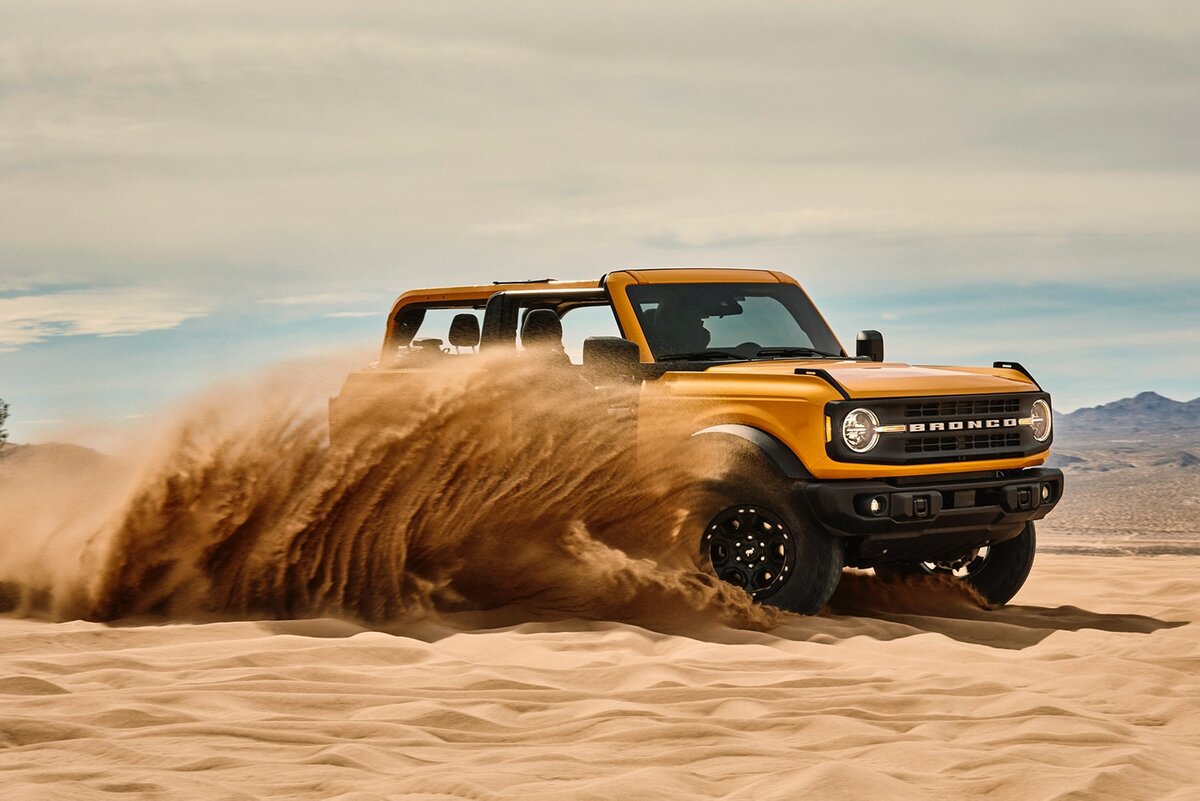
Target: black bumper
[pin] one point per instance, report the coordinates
(922, 517)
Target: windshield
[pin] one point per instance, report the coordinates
(726, 321)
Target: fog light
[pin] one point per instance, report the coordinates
(877, 505)
(1045, 492)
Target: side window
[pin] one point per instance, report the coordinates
(435, 334)
(583, 322)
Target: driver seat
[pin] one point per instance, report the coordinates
(541, 337)
(679, 329)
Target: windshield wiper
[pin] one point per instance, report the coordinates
(798, 351)
(696, 356)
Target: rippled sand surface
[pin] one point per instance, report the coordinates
(1088, 687)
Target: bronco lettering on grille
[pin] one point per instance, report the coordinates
(964, 425)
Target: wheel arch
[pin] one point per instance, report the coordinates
(772, 449)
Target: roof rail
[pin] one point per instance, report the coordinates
(526, 281)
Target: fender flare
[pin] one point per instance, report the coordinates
(781, 456)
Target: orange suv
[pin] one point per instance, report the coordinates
(835, 459)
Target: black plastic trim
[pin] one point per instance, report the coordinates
(780, 455)
(891, 449)
(992, 507)
(1020, 368)
(826, 377)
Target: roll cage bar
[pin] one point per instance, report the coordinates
(502, 314)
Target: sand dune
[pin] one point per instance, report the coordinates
(1088, 687)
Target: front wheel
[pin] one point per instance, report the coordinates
(756, 540)
(997, 572)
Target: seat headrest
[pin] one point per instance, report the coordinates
(679, 329)
(541, 328)
(464, 331)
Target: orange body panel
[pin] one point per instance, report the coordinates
(791, 408)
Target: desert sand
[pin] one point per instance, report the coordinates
(1087, 687)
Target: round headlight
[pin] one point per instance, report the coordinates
(860, 430)
(1039, 420)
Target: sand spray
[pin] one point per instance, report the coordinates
(486, 483)
(472, 488)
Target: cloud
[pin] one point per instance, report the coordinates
(318, 299)
(327, 299)
(272, 141)
(106, 312)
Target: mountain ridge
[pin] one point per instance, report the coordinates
(1144, 410)
(1146, 431)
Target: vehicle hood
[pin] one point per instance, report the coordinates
(892, 379)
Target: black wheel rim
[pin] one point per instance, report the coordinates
(751, 548)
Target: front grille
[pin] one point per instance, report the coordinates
(962, 407)
(969, 442)
(950, 429)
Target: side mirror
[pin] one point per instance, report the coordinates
(612, 358)
(870, 345)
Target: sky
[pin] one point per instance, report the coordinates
(191, 191)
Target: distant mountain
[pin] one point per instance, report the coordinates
(64, 457)
(1145, 431)
(1178, 459)
(1146, 410)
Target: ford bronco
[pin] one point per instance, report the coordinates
(840, 460)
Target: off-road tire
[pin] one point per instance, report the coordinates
(998, 577)
(1006, 568)
(754, 490)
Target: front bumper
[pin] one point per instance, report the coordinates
(902, 519)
